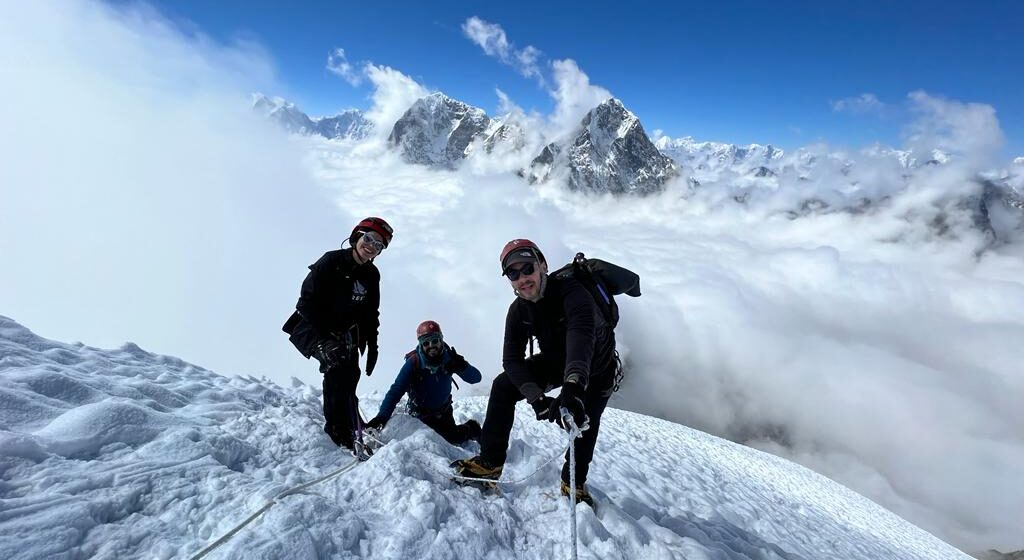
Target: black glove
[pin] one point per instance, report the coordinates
(377, 423)
(329, 353)
(456, 363)
(541, 407)
(571, 398)
(371, 357)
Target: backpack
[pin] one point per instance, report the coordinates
(603, 280)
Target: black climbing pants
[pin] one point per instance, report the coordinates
(442, 421)
(341, 407)
(501, 414)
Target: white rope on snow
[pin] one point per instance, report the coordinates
(266, 506)
(574, 432)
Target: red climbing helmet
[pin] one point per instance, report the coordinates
(428, 328)
(377, 225)
(520, 250)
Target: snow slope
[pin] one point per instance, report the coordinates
(126, 454)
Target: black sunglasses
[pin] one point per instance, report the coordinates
(514, 273)
(431, 341)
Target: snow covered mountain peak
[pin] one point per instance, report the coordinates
(608, 153)
(127, 454)
(268, 104)
(284, 113)
(439, 131)
(604, 117)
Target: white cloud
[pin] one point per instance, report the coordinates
(338, 64)
(493, 40)
(969, 130)
(574, 95)
(505, 103)
(140, 199)
(393, 94)
(863, 103)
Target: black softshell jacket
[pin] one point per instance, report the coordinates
(569, 329)
(337, 295)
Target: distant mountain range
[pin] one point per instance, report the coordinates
(610, 152)
(350, 124)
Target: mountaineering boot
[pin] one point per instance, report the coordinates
(476, 468)
(339, 437)
(581, 494)
(361, 451)
(372, 439)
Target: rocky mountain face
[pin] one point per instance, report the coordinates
(609, 152)
(440, 131)
(508, 136)
(349, 124)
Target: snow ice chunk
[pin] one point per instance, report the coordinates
(86, 429)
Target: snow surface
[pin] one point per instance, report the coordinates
(126, 454)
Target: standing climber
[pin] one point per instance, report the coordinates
(337, 319)
(576, 353)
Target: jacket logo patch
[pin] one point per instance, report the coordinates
(358, 291)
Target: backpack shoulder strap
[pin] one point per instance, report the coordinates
(415, 356)
(582, 272)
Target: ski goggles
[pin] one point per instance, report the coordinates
(432, 340)
(374, 240)
(525, 270)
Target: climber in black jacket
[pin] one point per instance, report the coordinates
(337, 319)
(577, 352)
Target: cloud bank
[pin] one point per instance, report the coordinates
(140, 200)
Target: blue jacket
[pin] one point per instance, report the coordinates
(430, 389)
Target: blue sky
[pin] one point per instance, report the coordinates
(736, 72)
